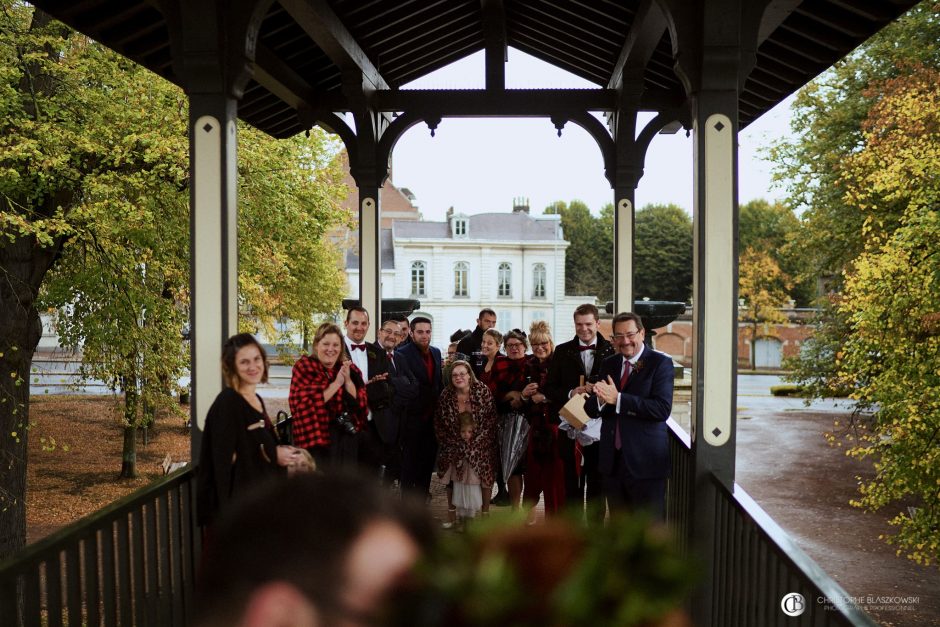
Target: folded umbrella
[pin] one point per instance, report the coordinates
(513, 440)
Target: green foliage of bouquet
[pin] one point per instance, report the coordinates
(502, 572)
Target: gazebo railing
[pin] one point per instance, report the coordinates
(756, 571)
(134, 562)
(131, 563)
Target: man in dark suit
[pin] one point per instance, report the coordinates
(634, 399)
(574, 368)
(418, 442)
(405, 388)
(374, 449)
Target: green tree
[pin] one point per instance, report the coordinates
(589, 260)
(891, 303)
(826, 128)
(289, 194)
(94, 207)
(764, 289)
(663, 254)
(774, 228)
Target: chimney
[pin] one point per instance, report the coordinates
(450, 211)
(520, 205)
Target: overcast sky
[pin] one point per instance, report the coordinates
(479, 165)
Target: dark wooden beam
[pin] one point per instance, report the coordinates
(494, 37)
(325, 28)
(280, 79)
(641, 41)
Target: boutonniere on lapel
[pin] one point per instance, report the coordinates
(638, 366)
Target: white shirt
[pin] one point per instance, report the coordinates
(587, 357)
(361, 359)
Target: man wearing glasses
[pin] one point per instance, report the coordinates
(633, 396)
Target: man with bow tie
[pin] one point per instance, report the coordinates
(633, 396)
(574, 369)
(376, 437)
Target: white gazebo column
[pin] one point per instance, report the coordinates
(370, 255)
(715, 268)
(215, 69)
(213, 243)
(623, 247)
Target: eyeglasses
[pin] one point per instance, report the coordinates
(626, 336)
(514, 345)
(459, 375)
(541, 344)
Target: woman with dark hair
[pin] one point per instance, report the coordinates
(463, 393)
(328, 402)
(239, 444)
(545, 472)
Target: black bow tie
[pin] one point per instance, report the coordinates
(586, 348)
(361, 347)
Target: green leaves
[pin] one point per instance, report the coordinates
(663, 253)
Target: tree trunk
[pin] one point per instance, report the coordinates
(129, 450)
(129, 453)
(22, 266)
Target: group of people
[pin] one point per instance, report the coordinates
(397, 410)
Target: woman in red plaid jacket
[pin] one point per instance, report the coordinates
(328, 402)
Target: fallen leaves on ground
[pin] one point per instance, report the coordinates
(74, 462)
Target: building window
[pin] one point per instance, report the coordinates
(418, 269)
(460, 227)
(504, 279)
(538, 280)
(461, 270)
(505, 318)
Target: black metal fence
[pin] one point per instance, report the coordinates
(131, 563)
(756, 574)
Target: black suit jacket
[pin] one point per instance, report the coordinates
(404, 391)
(567, 368)
(380, 395)
(425, 390)
(645, 404)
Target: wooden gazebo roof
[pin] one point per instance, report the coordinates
(304, 48)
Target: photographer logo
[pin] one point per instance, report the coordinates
(793, 604)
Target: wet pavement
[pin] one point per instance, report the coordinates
(786, 465)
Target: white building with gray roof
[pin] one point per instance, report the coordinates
(513, 263)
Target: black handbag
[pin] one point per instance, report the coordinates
(282, 427)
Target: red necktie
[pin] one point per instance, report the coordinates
(627, 367)
(361, 347)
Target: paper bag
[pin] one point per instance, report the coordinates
(573, 412)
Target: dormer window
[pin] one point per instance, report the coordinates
(460, 226)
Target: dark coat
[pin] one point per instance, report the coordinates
(566, 368)
(239, 449)
(425, 391)
(645, 404)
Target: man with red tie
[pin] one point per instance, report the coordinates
(633, 396)
(574, 369)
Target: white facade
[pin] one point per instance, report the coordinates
(512, 263)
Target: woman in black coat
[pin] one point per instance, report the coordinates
(239, 444)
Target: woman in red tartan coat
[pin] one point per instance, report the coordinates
(328, 402)
(544, 468)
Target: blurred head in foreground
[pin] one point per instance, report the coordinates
(315, 550)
